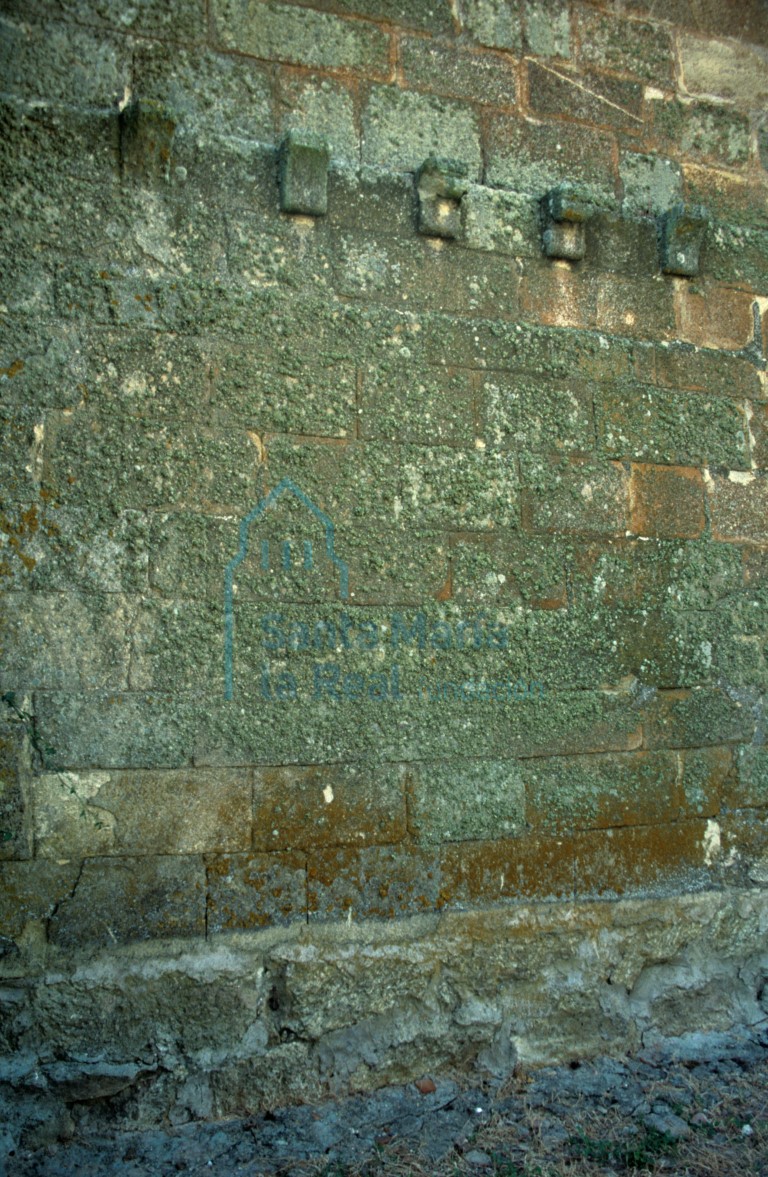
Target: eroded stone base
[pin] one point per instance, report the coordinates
(232, 1025)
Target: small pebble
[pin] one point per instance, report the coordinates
(476, 1157)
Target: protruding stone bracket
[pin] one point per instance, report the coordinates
(565, 211)
(441, 185)
(681, 235)
(303, 174)
(146, 138)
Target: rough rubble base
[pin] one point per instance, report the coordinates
(694, 1106)
(150, 1035)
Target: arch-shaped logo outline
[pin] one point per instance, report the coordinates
(285, 485)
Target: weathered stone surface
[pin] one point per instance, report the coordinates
(458, 74)
(402, 128)
(739, 501)
(172, 812)
(481, 799)
(30, 892)
(575, 496)
(331, 805)
(595, 98)
(633, 47)
(377, 882)
(119, 901)
(278, 32)
(533, 156)
(255, 890)
(62, 638)
(667, 501)
(645, 423)
(723, 70)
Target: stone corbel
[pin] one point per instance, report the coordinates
(441, 184)
(565, 212)
(303, 174)
(681, 235)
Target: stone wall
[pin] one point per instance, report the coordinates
(384, 534)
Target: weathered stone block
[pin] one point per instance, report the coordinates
(652, 185)
(702, 131)
(594, 98)
(723, 69)
(547, 27)
(247, 891)
(517, 569)
(30, 892)
(601, 792)
(645, 860)
(328, 805)
(322, 107)
(64, 63)
(492, 24)
(189, 811)
(278, 32)
(465, 802)
(739, 506)
(401, 129)
(622, 245)
(580, 495)
(444, 69)
(642, 309)
(377, 882)
(703, 716)
(120, 900)
(426, 405)
(303, 173)
(203, 93)
(707, 776)
(667, 501)
(537, 415)
(644, 423)
(15, 829)
(681, 236)
(533, 156)
(56, 639)
(94, 460)
(719, 318)
(146, 140)
(492, 872)
(680, 365)
(632, 47)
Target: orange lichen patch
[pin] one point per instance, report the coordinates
(379, 882)
(255, 890)
(14, 369)
(327, 806)
(667, 501)
(640, 858)
(487, 872)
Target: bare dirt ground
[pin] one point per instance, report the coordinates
(697, 1108)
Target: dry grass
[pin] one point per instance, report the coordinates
(599, 1140)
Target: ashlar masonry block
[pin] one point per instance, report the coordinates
(303, 174)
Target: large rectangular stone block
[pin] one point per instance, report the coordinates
(656, 426)
(247, 891)
(278, 32)
(402, 128)
(192, 811)
(328, 805)
(470, 801)
(123, 900)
